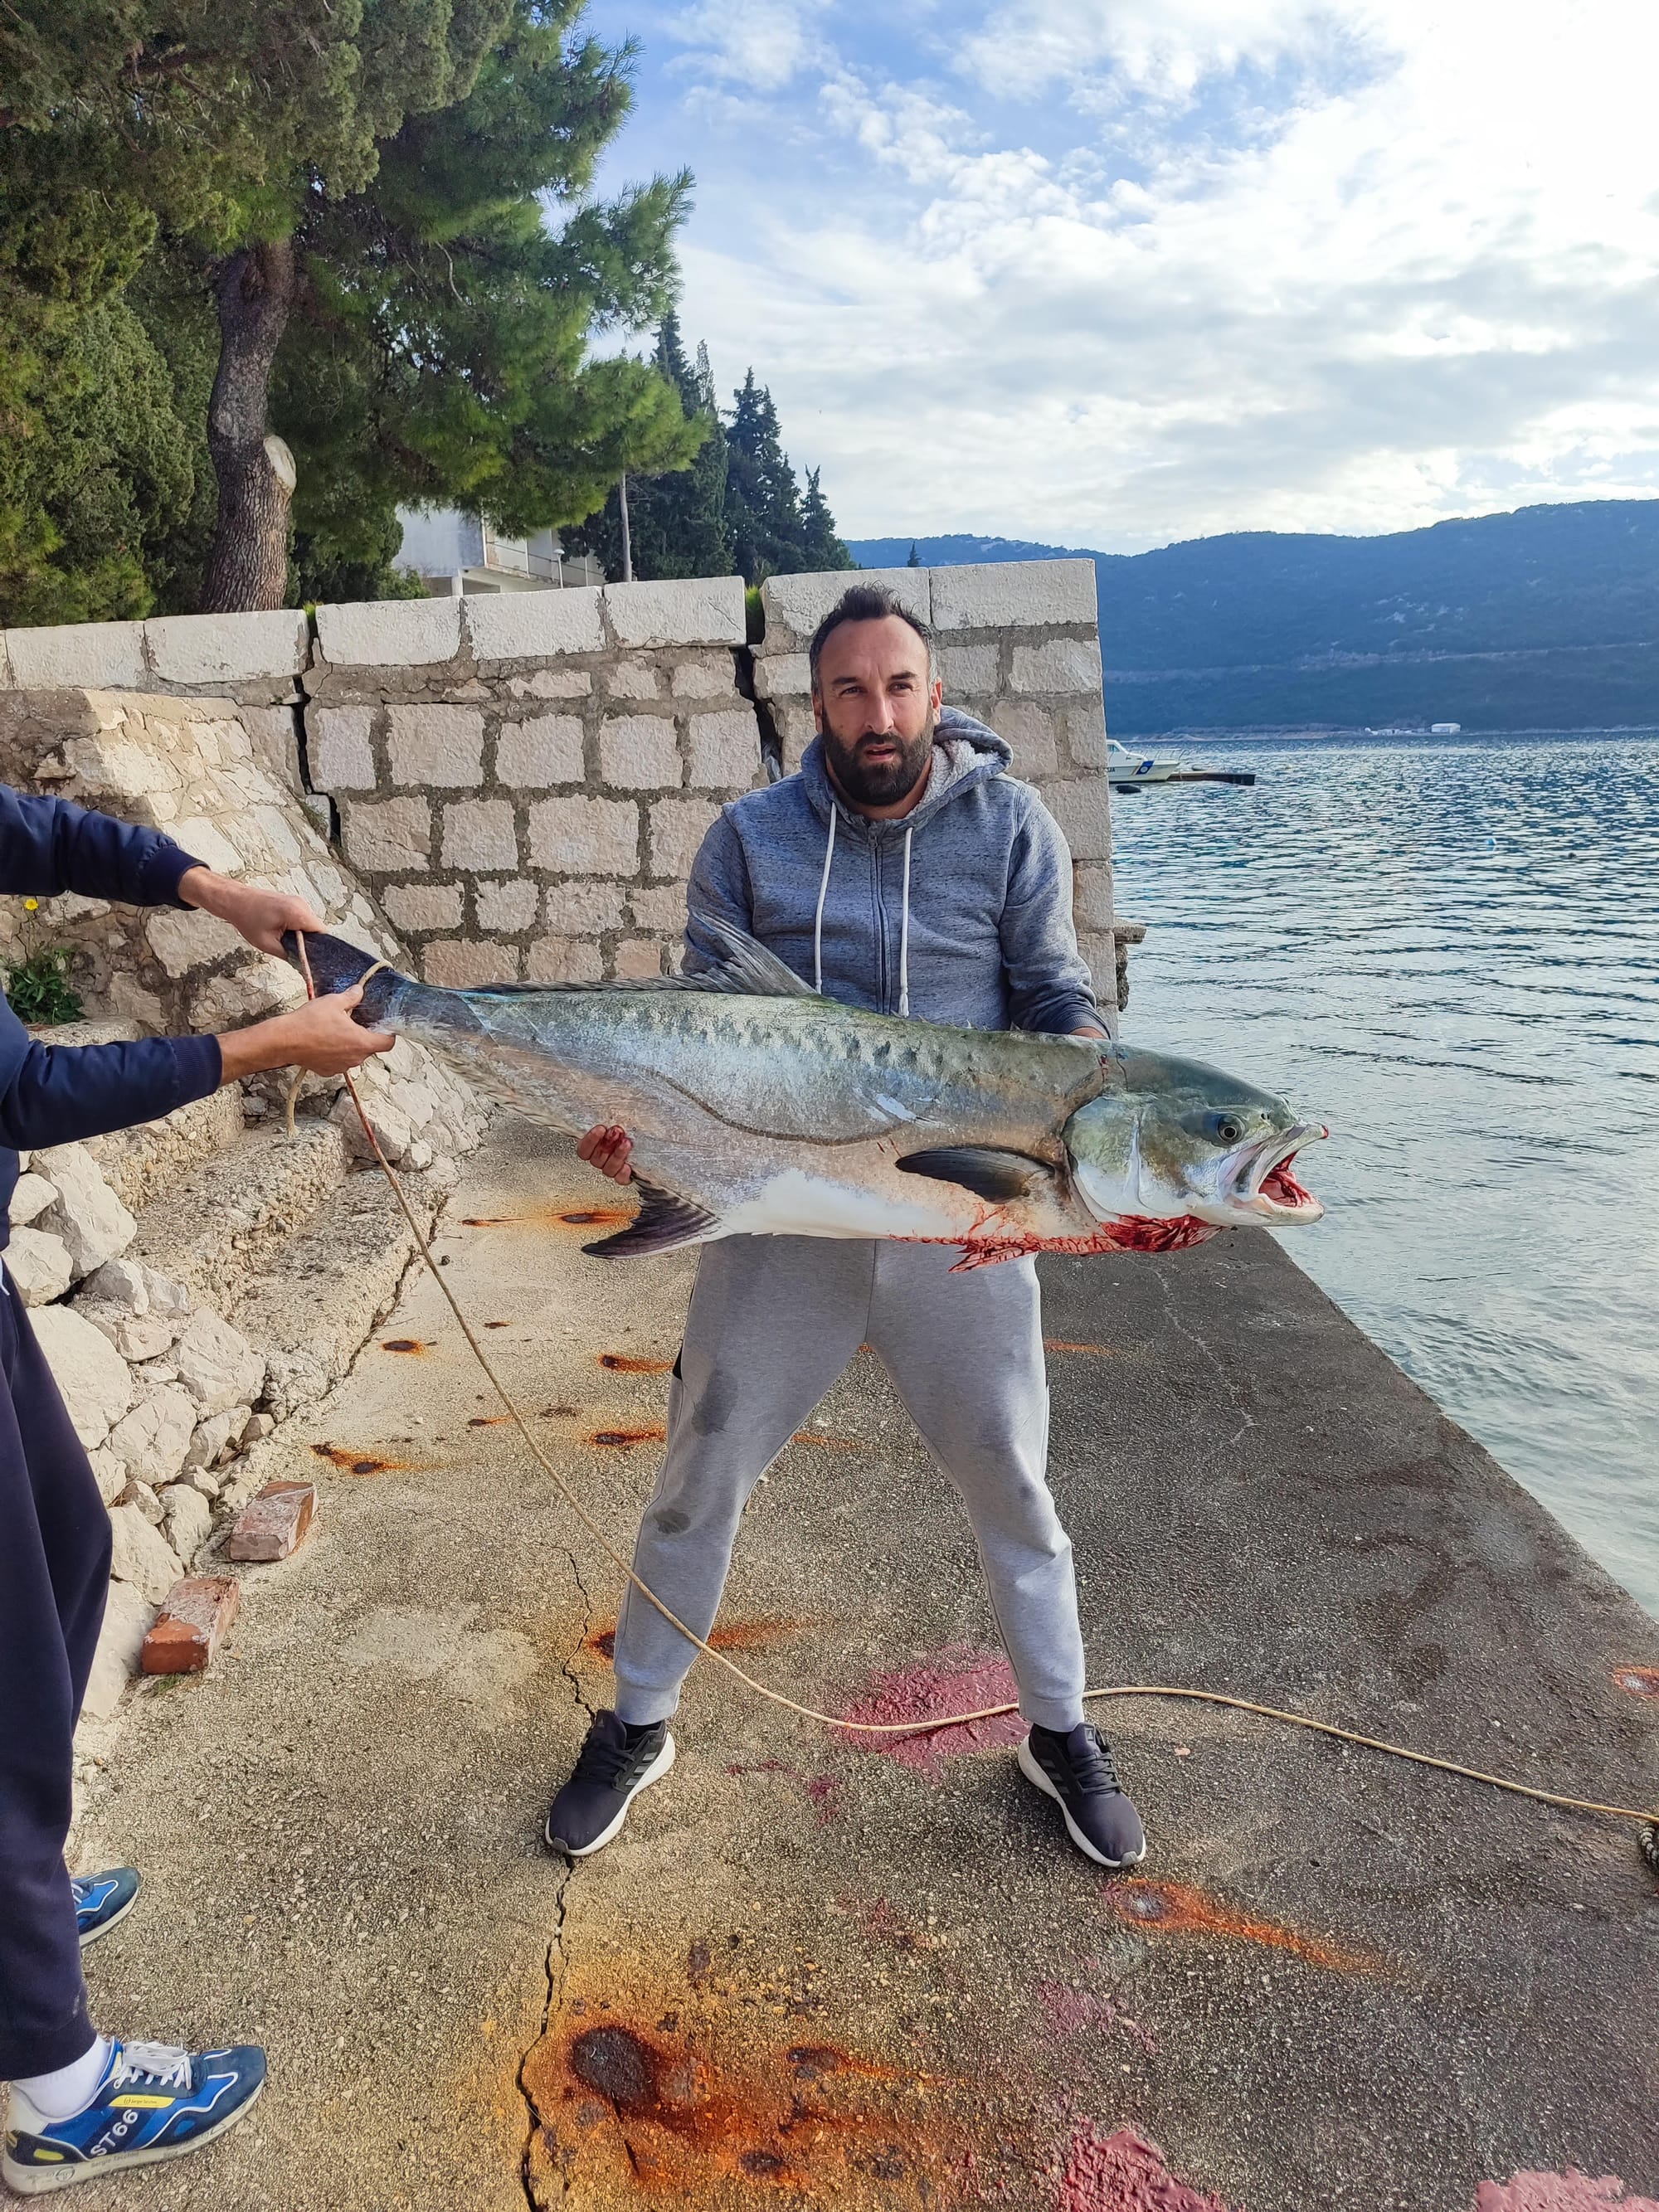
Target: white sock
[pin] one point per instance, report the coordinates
(60, 2095)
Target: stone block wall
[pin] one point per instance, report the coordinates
(1018, 646)
(524, 780)
(521, 781)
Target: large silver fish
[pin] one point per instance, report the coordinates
(758, 1108)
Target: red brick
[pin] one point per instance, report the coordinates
(274, 1523)
(188, 1630)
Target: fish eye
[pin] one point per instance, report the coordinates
(1229, 1128)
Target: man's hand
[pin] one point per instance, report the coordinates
(319, 1036)
(260, 915)
(608, 1149)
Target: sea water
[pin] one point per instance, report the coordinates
(1448, 950)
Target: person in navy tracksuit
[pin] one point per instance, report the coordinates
(82, 2105)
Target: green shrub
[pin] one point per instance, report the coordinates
(39, 989)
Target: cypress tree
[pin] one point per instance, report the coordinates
(820, 546)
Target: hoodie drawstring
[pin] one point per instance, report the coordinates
(904, 921)
(904, 934)
(818, 919)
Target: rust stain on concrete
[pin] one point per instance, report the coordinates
(1100, 1351)
(360, 1462)
(1173, 1908)
(415, 1344)
(677, 2101)
(825, 1444)
(762, 1634)
(1639, 1681)
(554, 1217)
(629, 1363)
(646, 1432)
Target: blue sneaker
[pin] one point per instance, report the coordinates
(101, 1899)
(155, 2102)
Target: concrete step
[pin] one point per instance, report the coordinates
(140, 1164)
(311, 1310)
(227, 1219)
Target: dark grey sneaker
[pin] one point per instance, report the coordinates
(1077, 1772)
(616, 1763)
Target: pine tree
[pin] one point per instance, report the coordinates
(914, 561)
(370, 236)
(678, 521)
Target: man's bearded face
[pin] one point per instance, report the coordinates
(876, 707)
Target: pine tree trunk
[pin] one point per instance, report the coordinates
(248, 569)
(627, 533)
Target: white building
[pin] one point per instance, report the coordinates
(1444, 729)
(453, 554)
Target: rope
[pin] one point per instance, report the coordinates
(951, 1720)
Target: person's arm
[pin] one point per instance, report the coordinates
(719, 885)
(60, 1093)
(1048, 984)
(51, 844)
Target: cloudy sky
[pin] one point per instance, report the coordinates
(1115, 273)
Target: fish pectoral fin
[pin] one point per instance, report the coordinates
(997, 1176)
(664, 1220)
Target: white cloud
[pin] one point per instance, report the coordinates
(758, 45)
(1416, 287)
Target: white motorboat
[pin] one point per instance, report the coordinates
(1130, 771)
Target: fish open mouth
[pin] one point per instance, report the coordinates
(1266, 1184)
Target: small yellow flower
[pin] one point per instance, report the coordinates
(32, 905)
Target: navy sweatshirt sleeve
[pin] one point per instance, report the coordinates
(53, 1094)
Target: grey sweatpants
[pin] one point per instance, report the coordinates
(774, 1320)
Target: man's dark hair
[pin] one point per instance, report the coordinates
(866, 603)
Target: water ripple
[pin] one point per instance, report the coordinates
(1479, 1020)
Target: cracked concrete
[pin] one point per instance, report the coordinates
(814, 1971)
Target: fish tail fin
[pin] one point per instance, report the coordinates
(664, 1221)
(336, 965)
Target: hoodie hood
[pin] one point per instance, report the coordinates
(965, 753)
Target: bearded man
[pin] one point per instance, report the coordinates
(903, 869)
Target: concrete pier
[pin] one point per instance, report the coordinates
(811, 1972)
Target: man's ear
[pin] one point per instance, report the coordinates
(938, 694)
(817, 711)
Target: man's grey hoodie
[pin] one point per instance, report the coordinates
(960, 912)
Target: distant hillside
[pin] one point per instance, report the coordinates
(1544, 618)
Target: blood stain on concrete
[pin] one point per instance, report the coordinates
(1173, 1908)
(1570, 2191)
(762, 1634)
(1124, 2173)
(1639, 1682)
(954, 1679)
(355, 1462)
(415, 1344)
(647, 1432)
(688, 2114)
(1077, 2012)
(628, 1362)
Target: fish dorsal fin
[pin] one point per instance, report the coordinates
(663, 1221)
(746, 970)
